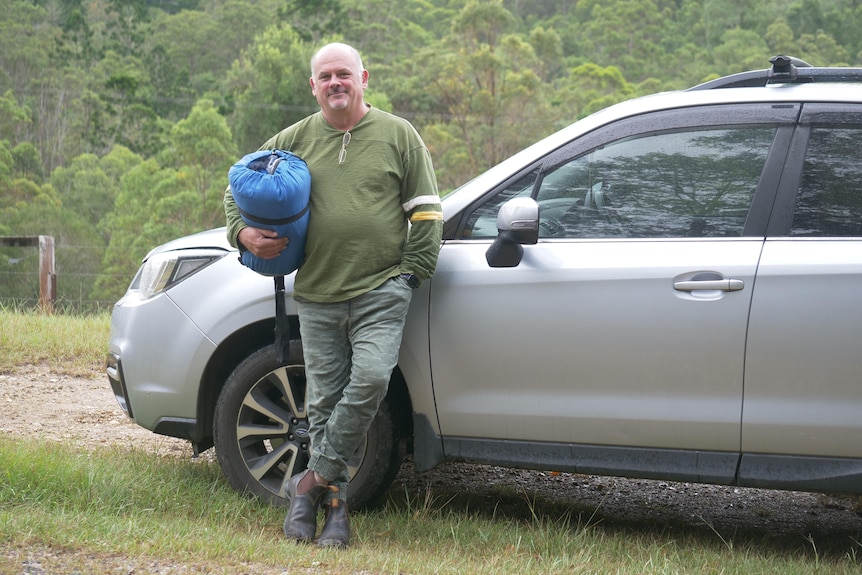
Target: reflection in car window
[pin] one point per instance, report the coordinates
(829, 202)
(482, 223)
(693, 183)
(697, 183)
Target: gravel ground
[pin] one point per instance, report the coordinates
(36, 401)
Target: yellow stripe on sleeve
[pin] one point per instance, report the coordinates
(426, 216)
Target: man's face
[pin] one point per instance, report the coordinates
(338, 82)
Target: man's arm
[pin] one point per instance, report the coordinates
(426, 218)
(233, 220)
(261, 242)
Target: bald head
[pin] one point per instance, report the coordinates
(337, 49)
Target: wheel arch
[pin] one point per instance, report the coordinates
(227, 356)
(254, 336)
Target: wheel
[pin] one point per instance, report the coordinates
(260, 433)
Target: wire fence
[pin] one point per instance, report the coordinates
(72, 295)
(77, 272)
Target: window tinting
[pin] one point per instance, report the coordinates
(697, 183)
(482, 223)
(687, 183)
(829, 203)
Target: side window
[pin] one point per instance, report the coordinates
(482, 223)
(829, 202)
(695, 183)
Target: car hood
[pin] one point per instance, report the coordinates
(214, 239)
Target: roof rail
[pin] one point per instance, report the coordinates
(784, 70)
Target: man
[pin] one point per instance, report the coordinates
(375, 227)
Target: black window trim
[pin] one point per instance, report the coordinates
(811, 115)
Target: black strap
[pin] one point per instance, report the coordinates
(282, 324)
(272, 222)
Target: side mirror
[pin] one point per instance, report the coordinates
(517, 225)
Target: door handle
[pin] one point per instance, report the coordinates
(710, 284)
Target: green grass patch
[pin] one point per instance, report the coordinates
(113, 510)
(115, 503)
(74, 345)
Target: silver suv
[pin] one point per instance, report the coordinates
(669, 288)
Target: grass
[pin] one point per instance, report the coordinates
(74, 345)
(104, 504)
(65, 510)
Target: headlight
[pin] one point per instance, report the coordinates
(166, 269)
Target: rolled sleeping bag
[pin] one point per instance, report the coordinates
(271, 189)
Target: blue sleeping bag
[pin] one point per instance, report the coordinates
(271, 189)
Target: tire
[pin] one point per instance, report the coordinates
(260, 433)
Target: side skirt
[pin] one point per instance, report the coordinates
(672, 465)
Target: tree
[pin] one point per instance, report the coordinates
(627, 34)
(740, 50)
(821, 49)
(76, 43)
(269, 86)
(89, 185)
(779, 38)
(589, 88)
(189, 52)
(806, 17)
(202, 150)
(24, 34)
(389, 31)
(548, 47)
(843, 22)
(27, 162)
(390, 34)
(123, 111)
(92, 89)
(483, 22)
(15, 119)
(315, 19)
(540, 9)
(140, 191)
(488, 83)
(7, 167)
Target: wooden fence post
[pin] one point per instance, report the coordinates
(47, 275)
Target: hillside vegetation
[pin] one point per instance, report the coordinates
(119, 119)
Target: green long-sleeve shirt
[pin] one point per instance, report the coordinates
(371, 217)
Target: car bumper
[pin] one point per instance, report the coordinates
(163, 394)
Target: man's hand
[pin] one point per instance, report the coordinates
(264, 244)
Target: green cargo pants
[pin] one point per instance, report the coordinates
(350, 349)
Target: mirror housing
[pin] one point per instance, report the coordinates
(517, 225)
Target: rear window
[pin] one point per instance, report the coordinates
(829, 202)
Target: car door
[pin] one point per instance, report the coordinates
(803, 391)
(625, 324)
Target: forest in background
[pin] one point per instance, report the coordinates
(120, 119)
